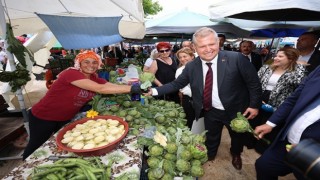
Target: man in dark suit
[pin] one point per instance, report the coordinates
(308, 54)
(300, 115)
(222, 40)
(234, 87)
(246, 49)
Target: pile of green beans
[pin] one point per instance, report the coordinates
(73, 169)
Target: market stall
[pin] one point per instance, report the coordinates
(155, 126)
(127, 155)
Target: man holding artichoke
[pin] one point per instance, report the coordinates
(222, 83)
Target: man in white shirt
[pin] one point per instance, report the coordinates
(222, 83)
(308, 54)
(301, 118)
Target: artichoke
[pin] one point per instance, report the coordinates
(198, 151)
(197, 171)
(171, 147)
(153, 162)
(240, 124)
(183, 165)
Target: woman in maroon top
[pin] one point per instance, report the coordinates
(68, 94)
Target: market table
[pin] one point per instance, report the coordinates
(128, 156)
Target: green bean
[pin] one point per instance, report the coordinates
(88, 173)
(79, 177)
(52, 176)
(60, 176)
(76, 160)
(56, 165)
(48, 171)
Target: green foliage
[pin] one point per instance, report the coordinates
(150, 7)
(16, 48)
(16, 79)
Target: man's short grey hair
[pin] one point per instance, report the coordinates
(203, 32)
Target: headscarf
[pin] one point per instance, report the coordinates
(85, 55)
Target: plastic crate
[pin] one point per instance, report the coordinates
(65, 63)
(58, 65)
(111, 61)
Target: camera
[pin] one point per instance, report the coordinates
(305, 158)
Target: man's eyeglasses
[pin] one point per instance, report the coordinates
(162, 51)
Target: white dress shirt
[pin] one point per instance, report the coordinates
(216, 102)
(186, 90)
(302, 123)
(305, 57)
(249, 56)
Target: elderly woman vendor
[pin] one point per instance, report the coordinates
(69, 93)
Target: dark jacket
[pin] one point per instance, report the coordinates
(314, 61)
(238, 83)
(289, 111)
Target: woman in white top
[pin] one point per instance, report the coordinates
(153, 55)
(278, 81)
(186, 55)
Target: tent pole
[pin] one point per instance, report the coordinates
(12, 68)
(270, 47)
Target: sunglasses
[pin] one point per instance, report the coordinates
(162, 51)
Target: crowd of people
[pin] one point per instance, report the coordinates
(273, 94)
(280, 96)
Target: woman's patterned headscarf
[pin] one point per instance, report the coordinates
(85, 55)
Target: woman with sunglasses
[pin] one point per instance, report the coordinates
(164, 69)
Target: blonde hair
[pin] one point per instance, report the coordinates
(185, 50)
(292, 54)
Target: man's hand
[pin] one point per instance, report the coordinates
(304, 63)
(251, 112)
(262, 130)
(149, 93)
(135, 89)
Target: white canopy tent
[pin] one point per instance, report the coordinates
(267, 10)
(22, 13)
(261, 12)
(187, 22)
(23, 17)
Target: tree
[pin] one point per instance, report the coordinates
(150, 7)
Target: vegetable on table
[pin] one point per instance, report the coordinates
(93, 134)
(73, 169)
